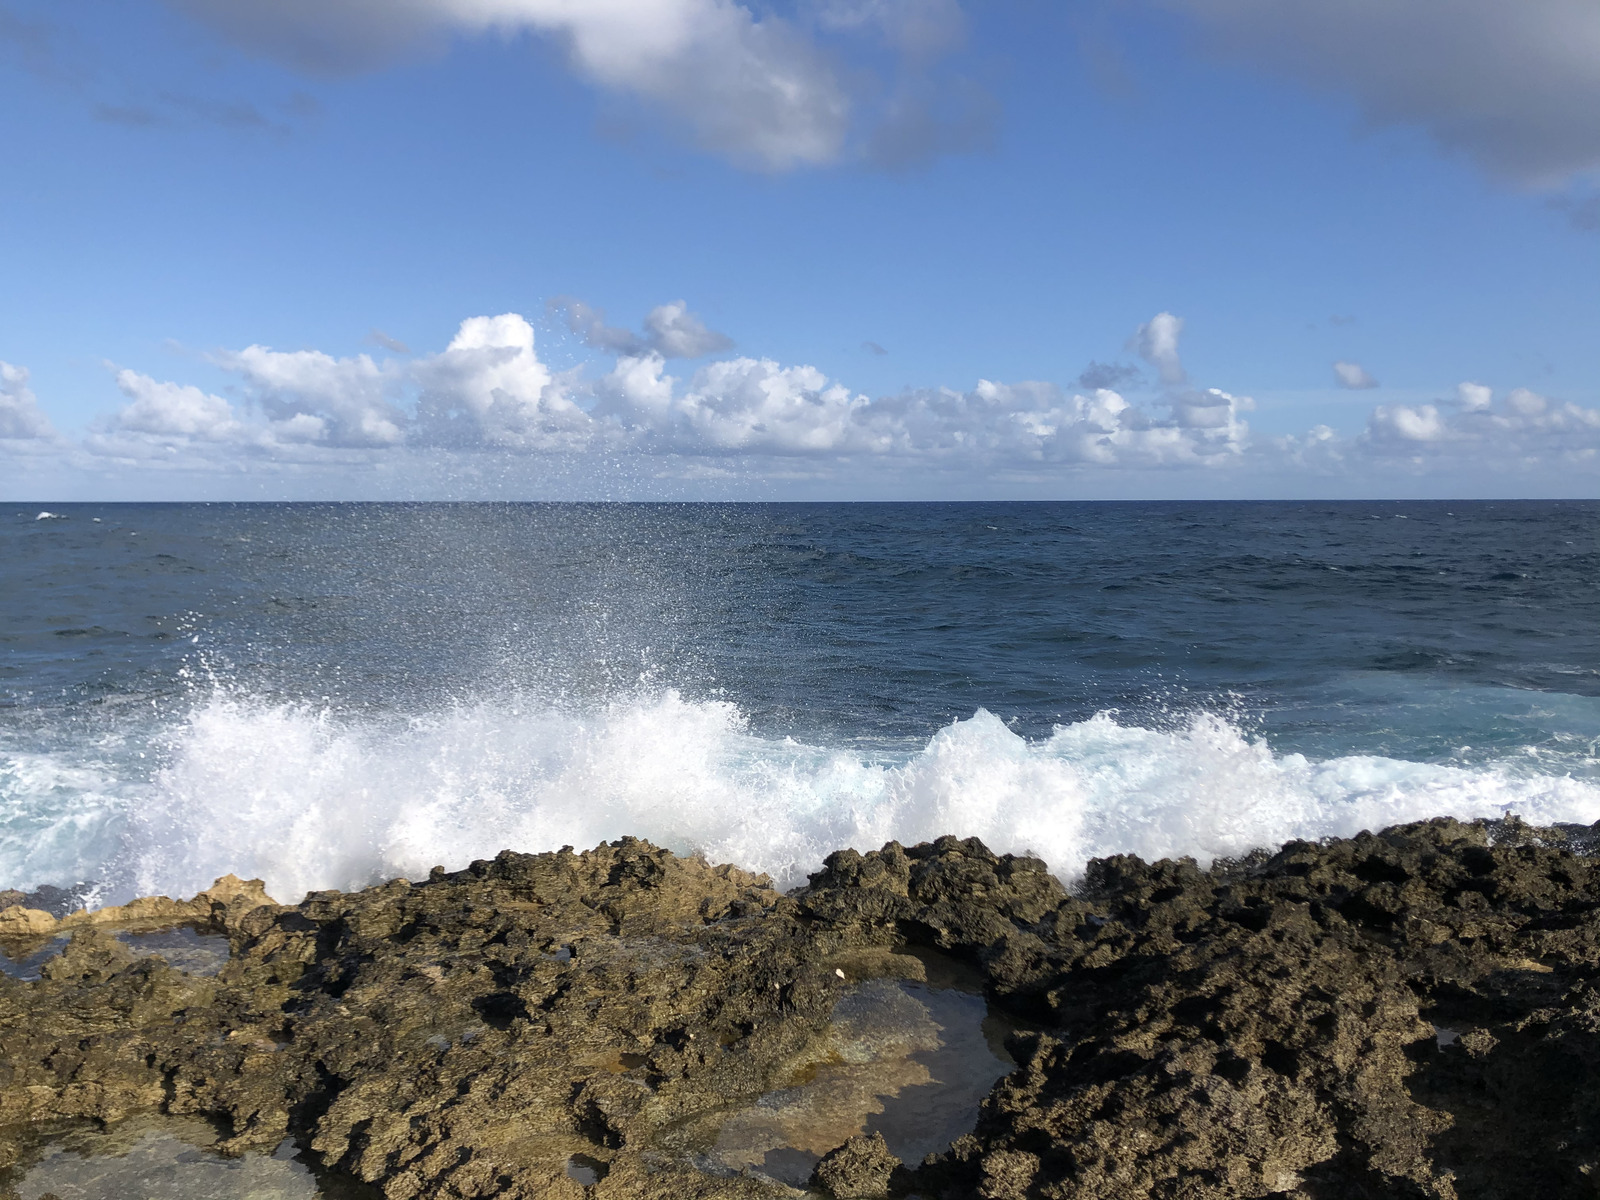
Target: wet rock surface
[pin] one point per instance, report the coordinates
(170, 1158)
(1413, 1013)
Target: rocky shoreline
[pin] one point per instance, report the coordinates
(1409, 1014)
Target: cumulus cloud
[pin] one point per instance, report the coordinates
(1524, 427)
(1405, 423)
(1039, 423)
(173, 410)
(349, 396)
(487, 398)
(1515, 84)
(20, 418)
(1353, 375)
(1157, 343)
(489, 388)
(670, 330)
(742, 404)
(757, 406)
(184, 425)
(1212, 408)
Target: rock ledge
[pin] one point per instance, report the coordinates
(1414, 1013)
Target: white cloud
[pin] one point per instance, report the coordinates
(349, 395)
(1040, 423)
(486, 390)
(753, 88)
(489, 388)
(743, 404)
(1526, 428)
(745, 82)
(1515, 84)
(1353, 375)
(1527, 405)
(487, 401)
(757, 406)
(1212, 408)
(1157, 343)
(675, 332)
(20, 418)
(489, 391)
(183, 425)
(174, 410)
(1407, 423)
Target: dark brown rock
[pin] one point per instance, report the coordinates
(858, 1170)
(1414, 1013)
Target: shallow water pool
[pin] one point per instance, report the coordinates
(173, 1158)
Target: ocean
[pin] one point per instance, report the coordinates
(323, 695)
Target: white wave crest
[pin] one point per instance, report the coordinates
(59, 819)
(310, 799)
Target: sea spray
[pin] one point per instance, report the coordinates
(323, 694)
(307, 797)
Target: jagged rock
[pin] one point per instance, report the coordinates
(53, 900)
(858, 1170)
(1414, 1013)
(224, 904)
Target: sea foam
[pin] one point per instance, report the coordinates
(309, 798)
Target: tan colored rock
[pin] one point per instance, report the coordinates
(17, 921)
(230, 899)
(1222, 1034)
(145, 910)
(223, 903)
(230, 889)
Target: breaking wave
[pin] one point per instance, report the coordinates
(309, 798)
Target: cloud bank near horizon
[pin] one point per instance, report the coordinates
(747, 422)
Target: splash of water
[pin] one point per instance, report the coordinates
(308, 797)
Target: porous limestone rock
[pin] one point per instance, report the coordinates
(858, 1170)
(223, 904)
(1414, 1013)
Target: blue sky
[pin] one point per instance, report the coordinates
(842, 248)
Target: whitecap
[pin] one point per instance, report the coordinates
(309, 798)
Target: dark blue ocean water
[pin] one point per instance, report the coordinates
(322, 693)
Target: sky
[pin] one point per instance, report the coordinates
(809, 249)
